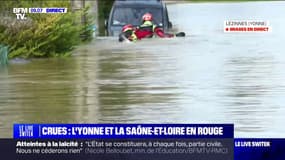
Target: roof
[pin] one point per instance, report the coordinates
(138, 2)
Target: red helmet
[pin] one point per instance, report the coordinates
(127, 28)
(147, 17)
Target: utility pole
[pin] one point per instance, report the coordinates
(94, 9)
(78, 5)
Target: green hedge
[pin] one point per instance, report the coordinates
(44, 35)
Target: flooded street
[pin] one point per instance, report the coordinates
(207, 77)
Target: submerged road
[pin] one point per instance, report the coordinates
(207, 77)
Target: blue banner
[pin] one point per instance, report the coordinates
(57, 131)
(259, 149)
(218, 139)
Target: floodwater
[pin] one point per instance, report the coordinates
(207, 77)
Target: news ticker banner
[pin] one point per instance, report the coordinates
(120, 141)
(123, 131)
(136, 141)
(142, 149)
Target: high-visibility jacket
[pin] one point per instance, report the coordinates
(148, 30)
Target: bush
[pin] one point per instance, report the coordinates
(43, 35)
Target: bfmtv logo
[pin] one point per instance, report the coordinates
(20, 13)
(26, 131)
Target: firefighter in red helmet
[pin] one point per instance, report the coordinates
(147, 30)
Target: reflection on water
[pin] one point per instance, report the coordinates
(207, 77)
(250, 84)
